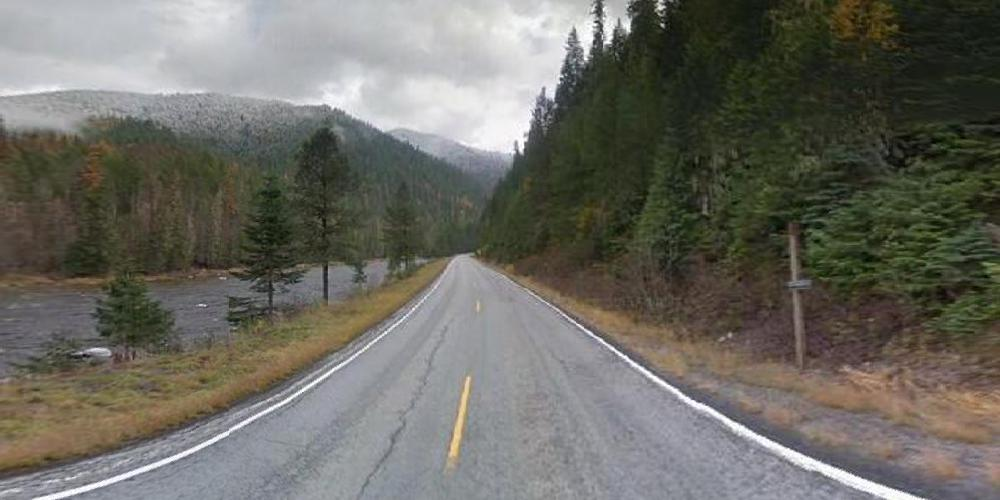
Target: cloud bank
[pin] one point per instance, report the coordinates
(468, 69)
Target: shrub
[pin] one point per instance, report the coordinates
(56, 357)
(130, 319)
(921, 236)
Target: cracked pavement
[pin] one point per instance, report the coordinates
(551, 414)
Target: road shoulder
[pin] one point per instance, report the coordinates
(860, 442)
(53, 420)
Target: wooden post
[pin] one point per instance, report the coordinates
(794, 236)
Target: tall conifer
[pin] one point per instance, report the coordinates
(270, 257)
(322, 183)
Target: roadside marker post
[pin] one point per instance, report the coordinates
(797, 285)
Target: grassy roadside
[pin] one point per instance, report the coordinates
(966, 418)
(54, 417)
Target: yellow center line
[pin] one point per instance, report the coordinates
(478, 306)
(456, 436)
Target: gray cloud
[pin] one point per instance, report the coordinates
(465, 69)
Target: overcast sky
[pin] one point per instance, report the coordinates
(465, 69)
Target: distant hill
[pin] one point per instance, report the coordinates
(267, 133)
(487, 166)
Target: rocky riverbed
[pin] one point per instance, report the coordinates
(31, 315)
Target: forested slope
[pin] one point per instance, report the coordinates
(142, 194)
(195, 156)
(681, 148)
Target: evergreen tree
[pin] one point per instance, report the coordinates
(666, 229)
(356, 258)
(322, 183)
(401, 234)
(571, 75)
(359, 278)
(775, 111)
(270, 258)
(175, 247)
(129, 318)
(618, 38)
(600, 17)
(90, 254)
(646, 27)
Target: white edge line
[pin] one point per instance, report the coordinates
(794, 457)
(247, 421)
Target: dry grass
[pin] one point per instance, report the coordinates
(781, 416)
(885, 450)
(827, 437)
(707, 386)
(993, 474)
(946, 427)
(55, 417)
(672, 361)
(842, 396)
(940, 465)
(957, 415)
(749, 405)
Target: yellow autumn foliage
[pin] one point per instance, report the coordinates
(868, 22)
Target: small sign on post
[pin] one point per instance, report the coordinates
(796, 285)
(800, 284)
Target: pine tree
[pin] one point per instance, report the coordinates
(270, 258)
(175, 247)
(646, 24)
(401, 234)
(129, 318)
(618, 38)
(666, 229)
(542, 117)
(90, 254)
(571, 75)
(600, 17)
(359, 278)
(322, 183)
(355, 251)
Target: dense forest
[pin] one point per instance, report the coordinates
(129, 190)
(126, 190)
(680, 148)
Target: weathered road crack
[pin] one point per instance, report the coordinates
(394, 437)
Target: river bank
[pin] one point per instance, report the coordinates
(36, 308)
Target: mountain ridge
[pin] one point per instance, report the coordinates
(487, 166)
(267, 133)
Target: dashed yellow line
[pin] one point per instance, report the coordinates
(478, 306)
(456, 435)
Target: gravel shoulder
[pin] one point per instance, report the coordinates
(945, 443)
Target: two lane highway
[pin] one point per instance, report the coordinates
(481, 392)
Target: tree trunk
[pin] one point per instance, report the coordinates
(326, 283)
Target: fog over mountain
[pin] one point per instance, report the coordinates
(487, 166)
(265, 131)
(216, 115)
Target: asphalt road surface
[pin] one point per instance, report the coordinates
(480, 391)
